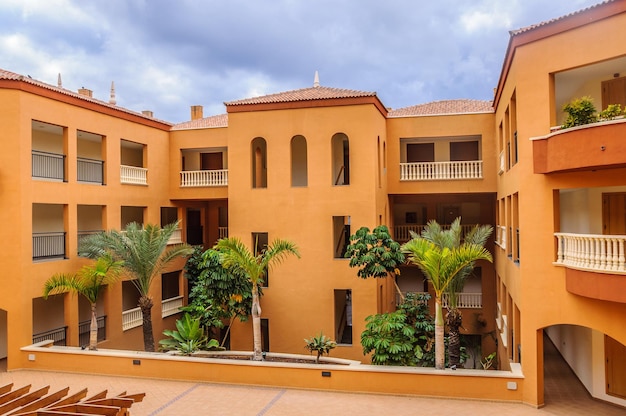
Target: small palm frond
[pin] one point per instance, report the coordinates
(62, 283)
(478, 235)
(235, 255)
(277, 252)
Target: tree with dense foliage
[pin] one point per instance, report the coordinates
(441, 265)
(90, 281)
(145, 253)
(453, 238)
(217, 293)
(236, 256)
(402, 337)
(375, 253)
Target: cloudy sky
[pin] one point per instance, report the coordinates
(165, 55)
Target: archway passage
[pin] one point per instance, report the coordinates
(564, 393)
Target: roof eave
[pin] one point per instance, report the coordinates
(584, 17)
(325, 102)
(68, 97)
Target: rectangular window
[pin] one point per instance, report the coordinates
(265, 335)
(343, 316)
(259, 244)
(341, 235)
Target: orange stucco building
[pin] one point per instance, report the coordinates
(312, 166)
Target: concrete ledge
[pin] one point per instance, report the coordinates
(334, 375)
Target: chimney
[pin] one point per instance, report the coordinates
(148, 113)
(86, 92)
(196, 112)
(112, 99)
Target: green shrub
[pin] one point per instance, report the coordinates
(580, 111)
(611, 112)
(188, 337)
(320, 344)
(403, 337)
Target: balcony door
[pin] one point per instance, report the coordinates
(212, 161)
(614, 92)
(614, 213)
(615, 354)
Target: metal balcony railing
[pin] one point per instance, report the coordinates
(48, 165)
(58, 335)
(48, 245)
(90, 170)
(84, 329)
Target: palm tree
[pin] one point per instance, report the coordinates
(145, 254)
(89, 282)
(440, 265)
(237, 256)
(451, 238)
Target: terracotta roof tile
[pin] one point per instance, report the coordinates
(12, 76)
(444, 107)
(304, 94)
(547, 22)
(220, 120)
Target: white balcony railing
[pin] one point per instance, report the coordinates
(402, 233)
(133, 175)
(131, 318)
(176, 237)
(465, 300)
(222, 232)
(504, 335)
(198, 178)
(598, 253)
(171, 306)
(499, 316)
(501, 236)
(425, 171)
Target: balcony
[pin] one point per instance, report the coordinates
(584, 148)
(50, 166)
(133, 175)
(595, 265)
(171, 306)
(57, 335)
(176, 237)
(50, 245)
(84, 330)
(464, 300)
(90, 170)
(203, 178)
(132, 318)
(428, 171)
(402, 233)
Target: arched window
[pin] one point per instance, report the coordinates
(259, 163)
(299, 176)
(340, 159)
